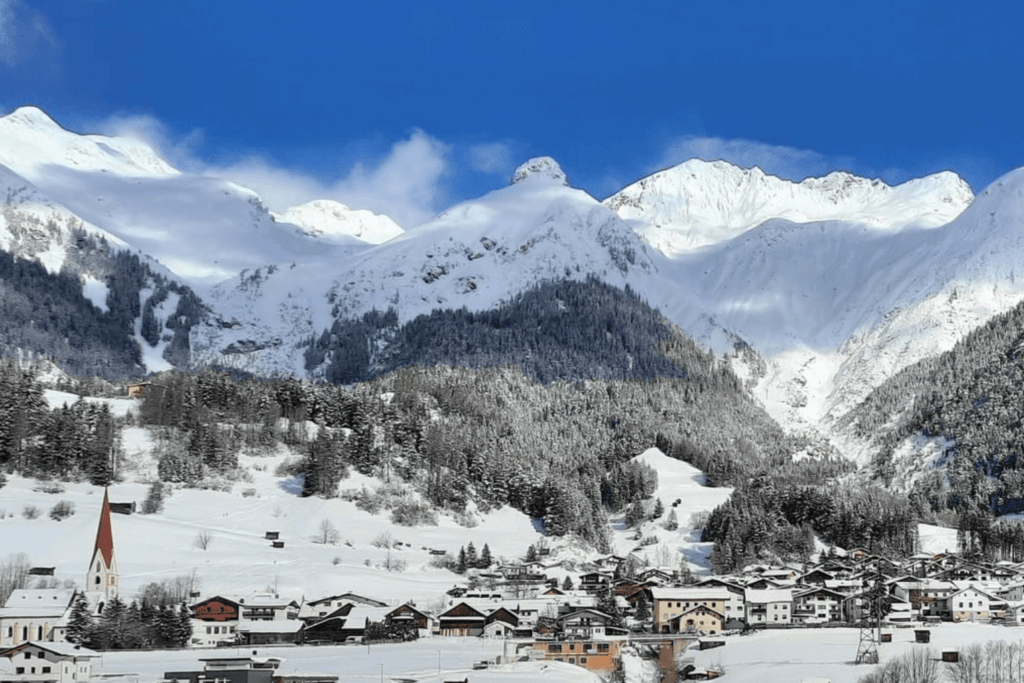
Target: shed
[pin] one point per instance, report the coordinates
(277, 544)
(273, 535)
(951, 656)
(922, 636)
(123, 508)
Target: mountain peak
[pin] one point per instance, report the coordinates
(699, 203)
(540, 167)
(333, 220)
(32, 117)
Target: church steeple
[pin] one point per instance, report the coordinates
(102, 574)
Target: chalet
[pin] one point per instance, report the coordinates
(461, 620)
(698, 618)
(817, 606)
(670, 602)
(268, 607)
(215, 621)
(584, 623)
(815, 577)
(769, 607)
(32, 662)
(409, 616)
(318, 609)
(595, 582)
(599, 656)
(657, 576)
(39, 615)
(138, 389)
(270, 632)
(501, 623)
(344, 624)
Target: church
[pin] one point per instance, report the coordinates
(42, 615)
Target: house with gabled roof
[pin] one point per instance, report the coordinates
(698, 618)
(584, 623)
(461, 620)
(313, 609)
(769, 607)
(501, 623)
(33, 662)
(817, 605)
(408, 615)
(215, 621)
(970, 604)
(669, 602)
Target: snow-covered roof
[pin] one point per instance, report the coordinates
(659, 593)
(769, 595)
(60, 649)
(32, 602)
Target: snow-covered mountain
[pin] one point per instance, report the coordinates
(698, 203)
(835, 282)
(476, 255)
(333, 220)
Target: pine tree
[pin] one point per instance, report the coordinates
(608, 604)
(567, 584)
(461, 564)
(167, 626)
(659, 509)
(471, 559)
(485, 558)
(643, 609)
(672, 523)
(531, 553)
(80, 622)
(183, 632)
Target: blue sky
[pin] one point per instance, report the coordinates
(409, 106)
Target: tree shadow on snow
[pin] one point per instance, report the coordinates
(293, 485)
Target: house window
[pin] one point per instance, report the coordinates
(602, 647)
(583, 660)
(554, 647)
(28, 654)
(46, 669)
(19, 670)
(572, 660)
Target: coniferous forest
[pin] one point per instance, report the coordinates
(972, 399)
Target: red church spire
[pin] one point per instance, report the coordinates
(105, 534)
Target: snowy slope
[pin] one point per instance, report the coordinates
(203, 229)
(682, 488)
(333, 220)
(476, 255)
(698, 203)
(836, 306)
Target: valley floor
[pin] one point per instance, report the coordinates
(772, 655)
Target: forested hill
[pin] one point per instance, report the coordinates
(973, 396)
(48, 315)
(556, 331)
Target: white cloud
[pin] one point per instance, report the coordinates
(785, 162)
(25, 33)
(406, 183)
(491, 157)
